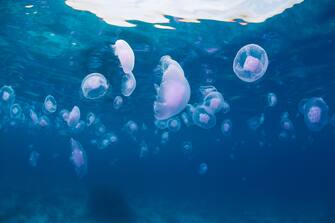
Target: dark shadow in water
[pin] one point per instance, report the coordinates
(107, 204)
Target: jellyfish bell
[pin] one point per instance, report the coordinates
(73, 117)
(271, 99)
(214, 101)
(203, 117)
(125, 55)
(285, 122)
(161, 124)
(315, 113)
(44, 121)
(7, 95)
(203, 168)
(33, 158)
(226, 127)
(78, 158)
(118, 102)
(174, 91)
(94, 86)
(131, 128)
(250, 63)
(50, 104)
(15, 111)
(128, 84)
(174, 124)
(90, 119)
(205, 90)
(33, 117)
(165, 137)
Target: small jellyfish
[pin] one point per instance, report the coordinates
(161, 124)
(226, 127)
(118, 102)
(33, 158)
(78, 158)
(271, 99)
(214, 101)
(255, 122)
(187, 115)
(315, 113)
(90, 119)
(203, 117)
(174, 124)
(250, 63)
(285, 122)
(44, 121)
(100, 129)
(125, 55)
(225, 107)
(74, 117)
(174, 91)
(131, 128)
(187, 148)
(165, 137)
(34, 117)
(50, 105)
(144, 149)
(94, 86)
(7, 96)
(64, 114)
(205, 90)
(128, 84)
(203, 168)
(15, 111)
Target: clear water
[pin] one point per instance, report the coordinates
(253, 175)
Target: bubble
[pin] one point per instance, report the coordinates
(214, 101)
(118, 102)
(94, 86)
(7, 95)
(33, 158)
(203, 168)
(73, 117)
(203, 117)
(78, 158)
(125, 55)
(315, 113)
(226, 127)
(128, 84)
(271, 99)
(50, 104)
(174, 124)
(250, 63)
(15, 111)
(174, 91)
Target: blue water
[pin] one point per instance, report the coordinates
(253, 176)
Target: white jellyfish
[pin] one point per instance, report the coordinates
(118, 101)
(174, 91)
(131, 128)
(226, 127)
(78, 158)
(174, 124)
(15, 111)
(33, 158)
(128, 84)
(214, 101)
(203, 168)
(271, 99)
(250, 63)
(73, 117)
(125, 55)
(225, 107)
(94, 86)
(7, 95)
(90, 119)
(203, 117)
(50, 104)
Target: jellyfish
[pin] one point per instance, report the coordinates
(131, 128)
(90, 119)
(205, 90)
(255, 122)
(203, 117)
(187, 148)
(214, 101)
(118, 101)
(64, 114)
(203, 168)
(165, 137)
(315, 113)
(187, 115)
(15, 111)
(250, 63)
(94, 86)
(33, 158)
(78, 158)
(161, 124)
(143, 149)
(33, 116)
(50, 105)
(100, 129)
(285, 122)
(7, 95)
(74, 117)
(128, 84)
(44, 121)
(174, 124)
(271, 99)
(174, 91)
(225, 107)
(125, 55)
(226, 127)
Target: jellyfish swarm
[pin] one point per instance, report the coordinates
(78, 158)
(50, 104)
(315, 111)
(174, 91)
(250, 63)
(94, 86)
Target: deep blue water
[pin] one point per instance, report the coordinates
(253, 175)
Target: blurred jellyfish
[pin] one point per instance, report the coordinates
(143, 149)
(161, 124)
(7, 95)
(250, 63)
(214, 101)
(174, 91)
(174, 124)
(255, 122)
(203, 117)
(74, 117)
(165, 137)
(225, 107)
(94, 86)
(44, 121)
(187, 115)
(79, 127)
(203, 168)
(33, 158)
(64, 114)
(131, 128)
(128, 84)
(100, 128)
(15, 111)
(118, 102)
(125, 55)
(332, 120)
(205, 90)
(315, 111)
(33, 116)
(271, 99)
(50, 104)
(187, 148)
(78, 158)
(226, 127)
(90, 119)
(285, 122)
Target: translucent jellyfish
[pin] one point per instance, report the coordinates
(225, 107)
(33, 116)
(285, 122)
(90, 119)
(50, 104)
(165, 137)
(174, 124)
(203, 117)
(144, 149)
(118, 102)
(271, 99)
(15, 111)
(214, 101)
(161, 124)
(255, 122)
(250, 63)
(7, 95)
(79, 127)
(78, 158)
(203, 168)
(226, 127)
(205, 90)
(64, 114)
(44, 121)
(33, 158)
(315, 113)
(100, 129)
(128, 84)
(131, 128)
(187, 148)
(74, 117)
(125, 54)
(187, 115)
(94, 86)
(174, 91)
